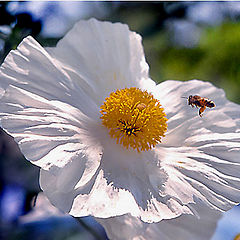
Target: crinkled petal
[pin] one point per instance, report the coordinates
(107, 56)
(51, 134)
(45, 110)
(185, 227)
(122, 184)
(32, 69)
(200, 156)
(136, 173)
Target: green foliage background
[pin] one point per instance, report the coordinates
(216, 58)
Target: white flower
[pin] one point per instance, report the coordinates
(54, 104)
(184, 227)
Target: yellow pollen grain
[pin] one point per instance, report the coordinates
(134, 118)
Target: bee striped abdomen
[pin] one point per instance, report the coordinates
(210, 104)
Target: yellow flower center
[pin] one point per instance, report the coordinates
(135, 118)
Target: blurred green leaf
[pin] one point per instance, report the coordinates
(216, 58)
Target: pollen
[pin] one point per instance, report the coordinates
(134, 118)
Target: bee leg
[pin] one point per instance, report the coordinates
(201, 110)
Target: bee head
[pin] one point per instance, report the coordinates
(189, 99)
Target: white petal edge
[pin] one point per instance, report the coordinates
(185, 227)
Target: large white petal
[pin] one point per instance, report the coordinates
(51, 134)
(107, 56)
(122, 184)
(200, 156)
(52, 116)
(136, 173)
(104, 195)
(185, 227)
(31, 68)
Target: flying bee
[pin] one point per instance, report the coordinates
(201, 102)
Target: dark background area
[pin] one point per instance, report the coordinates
(182, 41)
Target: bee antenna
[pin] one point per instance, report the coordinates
(185, 97)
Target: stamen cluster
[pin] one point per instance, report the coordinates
(135, 118)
